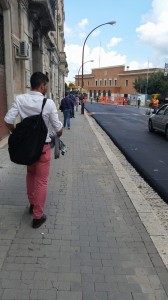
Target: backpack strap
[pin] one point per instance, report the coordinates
(44, 102)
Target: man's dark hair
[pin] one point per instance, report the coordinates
(37, 79)
(66, 94)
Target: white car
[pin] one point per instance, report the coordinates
(159, 121)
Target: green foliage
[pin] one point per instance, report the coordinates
(72, 85)
(140, 85)
(69, 87)
(157, 84)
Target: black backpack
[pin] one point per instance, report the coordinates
(27, 140)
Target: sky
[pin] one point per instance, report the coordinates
(139, 39)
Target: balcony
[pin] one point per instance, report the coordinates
(63, 62)
(43, 14)
(62, 57)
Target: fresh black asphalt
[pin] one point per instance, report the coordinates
(128, 128)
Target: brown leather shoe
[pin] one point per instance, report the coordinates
(38, 222)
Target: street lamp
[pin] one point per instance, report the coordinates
(81, 67)
(107, 23)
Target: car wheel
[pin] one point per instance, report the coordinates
(150, 126)
(166, 133)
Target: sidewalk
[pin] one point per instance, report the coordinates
(94, 245)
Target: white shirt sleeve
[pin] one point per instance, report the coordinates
(53, 118)
(12, 113)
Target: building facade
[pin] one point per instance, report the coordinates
(112, 82)
(31, 39)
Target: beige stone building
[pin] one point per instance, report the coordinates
(31, 39)
(112, 81)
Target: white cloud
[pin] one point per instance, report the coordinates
(154, 30)
(82, 24)
(67, 30)
(96, 32)
(113, 42)
(101, 58)
(134, 65)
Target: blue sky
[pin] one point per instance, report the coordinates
(138, 39)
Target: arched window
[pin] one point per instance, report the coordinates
(109, 93)
(104, 93)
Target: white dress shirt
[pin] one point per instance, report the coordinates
(30, 104)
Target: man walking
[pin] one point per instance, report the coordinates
(67, 105)
(139, 102)
(26, 105)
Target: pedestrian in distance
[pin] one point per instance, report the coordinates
(26, 105)
(72, 96)
(76, 102)
(66, 106)
(155, 105)
(139, 102)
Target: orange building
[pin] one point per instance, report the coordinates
(111, 82)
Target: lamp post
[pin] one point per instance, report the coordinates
(81, 67)
(107, 23)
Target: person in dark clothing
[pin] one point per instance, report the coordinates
(72, 96)
(67, 105)
(139, 102)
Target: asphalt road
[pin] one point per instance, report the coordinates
(147, 152)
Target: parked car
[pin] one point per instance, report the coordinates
(159, 121)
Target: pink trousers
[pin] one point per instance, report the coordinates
(37, 182)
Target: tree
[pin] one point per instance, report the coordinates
(69, 87)
(140, 85)
(72, 85)
(157, 84)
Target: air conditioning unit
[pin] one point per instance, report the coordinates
(24, 49)
(23, 52)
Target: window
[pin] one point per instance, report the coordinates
(126, 82)
(110, 82)
(100, 82)
(88, 83)
(105, 82)
(115, 82)
(162, 110)
(96, 82)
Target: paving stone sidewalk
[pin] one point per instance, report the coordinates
(93, 245)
